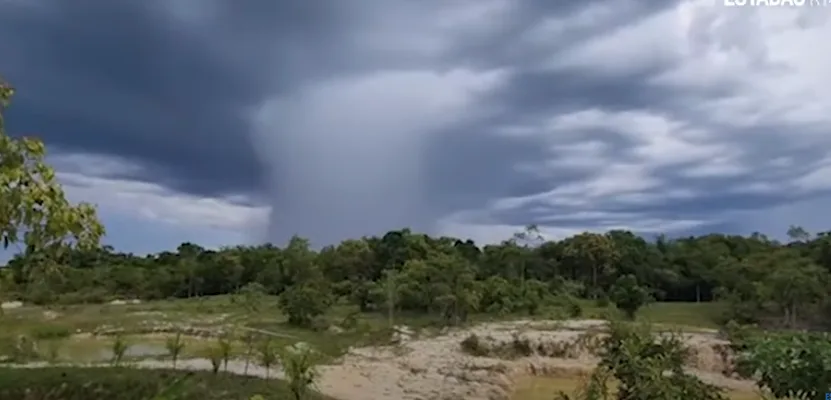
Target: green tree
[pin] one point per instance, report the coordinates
(33, 207)
(498, 296)
(251, 297)
(351, 263)
(119, 349)
(214, 355)
(188, 254)
(268, 355)
(793, 285)
(299, 364)
(590, 257)
(6, 286)
(628, 296)
(798, 234)
(391, 288)
(174, 346)
(225, 347)
(459, 287)
(249, 339)
(303, 302)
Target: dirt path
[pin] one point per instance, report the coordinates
(436, 368)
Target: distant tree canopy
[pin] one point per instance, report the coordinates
(760, 279)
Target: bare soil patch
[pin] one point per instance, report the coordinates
(437, 368)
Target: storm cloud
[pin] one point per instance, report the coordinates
(471, 118)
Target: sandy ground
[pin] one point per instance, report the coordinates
(436, 369)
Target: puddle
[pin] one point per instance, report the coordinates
(539, 388)
(91, 349)
(135, 350)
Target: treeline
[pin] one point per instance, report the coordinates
(761, 280)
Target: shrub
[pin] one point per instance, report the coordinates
(791, 365)
(214, 354)
(628, 296)
(299, 364)
(571, 306)
(603, 301)
(225, 348)
(473, 345)
(18, 349)
(303, 303)
(49, 332)
(521, 346)
(53, 350)
(250, 296)
(174, 346)
(645, 368)
(119, 349)
(267, 354)
(90, 296)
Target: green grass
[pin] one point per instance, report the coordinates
(697, 315)
(134, 384)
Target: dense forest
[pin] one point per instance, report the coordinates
(759, 279)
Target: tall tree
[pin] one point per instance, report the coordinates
(33, 208)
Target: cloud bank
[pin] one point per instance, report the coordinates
(471, 118)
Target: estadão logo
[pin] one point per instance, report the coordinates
(777, 3)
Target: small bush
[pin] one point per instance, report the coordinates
(50, 332)
(53, 350)
(473, 345)
(91, 296)
(225, 348)
(302, 304)
(267, 353)
(603, 301)
(18, 349)
(790, 364)
(214, 354)
(119, 349)
(645, 367)
(299, 364)
(556, 349)
(174, 346)
(573, 309)
(628, 295)
(350, 322)
(521, 346)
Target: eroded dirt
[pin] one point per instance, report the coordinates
(436, 368)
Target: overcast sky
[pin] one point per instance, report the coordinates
(226, 122)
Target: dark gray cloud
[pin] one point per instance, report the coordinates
(129, 79)
(120, 79)
(354, 117)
